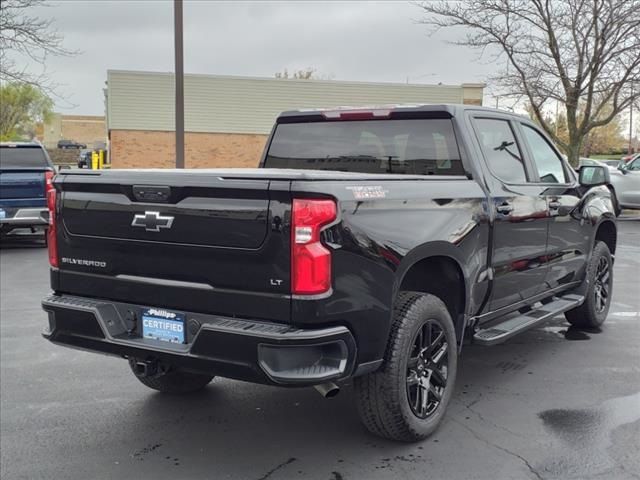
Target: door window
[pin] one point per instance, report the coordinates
(546, 160)
(501, 150)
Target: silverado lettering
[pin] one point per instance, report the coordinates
(82, 261)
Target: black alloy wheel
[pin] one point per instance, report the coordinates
(602, 287)
(427, 369)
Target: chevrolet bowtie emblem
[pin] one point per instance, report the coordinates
(152, 221)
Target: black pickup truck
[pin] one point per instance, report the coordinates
(369, 245)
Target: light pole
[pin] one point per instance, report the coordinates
(179, 79)
(629, 151)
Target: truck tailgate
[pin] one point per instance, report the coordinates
(176, 239)
(22, 187)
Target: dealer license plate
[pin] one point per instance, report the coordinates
(161, 324)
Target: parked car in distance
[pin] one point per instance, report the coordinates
(65, 144)
(631, 156)
(625, 185)
(84, 159)
(25, 178)
(367, 247)
(612, 163)
(588, 161)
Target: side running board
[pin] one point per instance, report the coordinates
(503, 331)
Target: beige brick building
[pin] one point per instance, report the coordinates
(87, 129)
(228, 119)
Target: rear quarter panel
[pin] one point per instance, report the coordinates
(384, 228)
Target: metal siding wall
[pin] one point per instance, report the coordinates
(144, 101)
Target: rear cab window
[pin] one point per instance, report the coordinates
(396, 146)
(17, 157)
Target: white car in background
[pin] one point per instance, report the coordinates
(612, 165)
(625, 184)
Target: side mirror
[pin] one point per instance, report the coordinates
(594, 175)
(622, 167)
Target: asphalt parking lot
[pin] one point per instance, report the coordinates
(551, 403)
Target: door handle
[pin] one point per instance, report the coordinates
(554, 205)
(505, 208)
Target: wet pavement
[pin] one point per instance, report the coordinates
(553, 403)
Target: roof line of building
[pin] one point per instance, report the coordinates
(295, 80)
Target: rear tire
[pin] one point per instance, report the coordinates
(593, 312)
(173, 381)
(406, 399)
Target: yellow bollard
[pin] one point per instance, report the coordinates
(94, 160)
(100, 159)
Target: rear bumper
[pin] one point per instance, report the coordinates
(254, 351)
(25, 217)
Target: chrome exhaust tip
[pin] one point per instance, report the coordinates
(327, 390)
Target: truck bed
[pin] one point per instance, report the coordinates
(151, 175)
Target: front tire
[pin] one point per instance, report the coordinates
(173, 381)
(406, 399)
(593, 312)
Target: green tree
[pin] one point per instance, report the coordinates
(584, 54)
(605, 139)
(22, 106)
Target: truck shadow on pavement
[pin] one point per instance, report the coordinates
(253, 431)
(22, 240)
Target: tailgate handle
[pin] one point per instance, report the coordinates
(151, 193)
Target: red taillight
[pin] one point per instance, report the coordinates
(48, 181)
(310, 260)
(52, 238)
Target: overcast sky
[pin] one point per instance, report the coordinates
(366, 41)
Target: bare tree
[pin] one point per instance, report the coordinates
(584, 54)
(30, 37)
(300, 74)
(308, 73)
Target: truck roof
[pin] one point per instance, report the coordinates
(385, 111)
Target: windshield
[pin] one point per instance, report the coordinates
(22, 157)
(412, 147)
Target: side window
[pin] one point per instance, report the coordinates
(501, 150)
(634, 165)
(547, 162)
